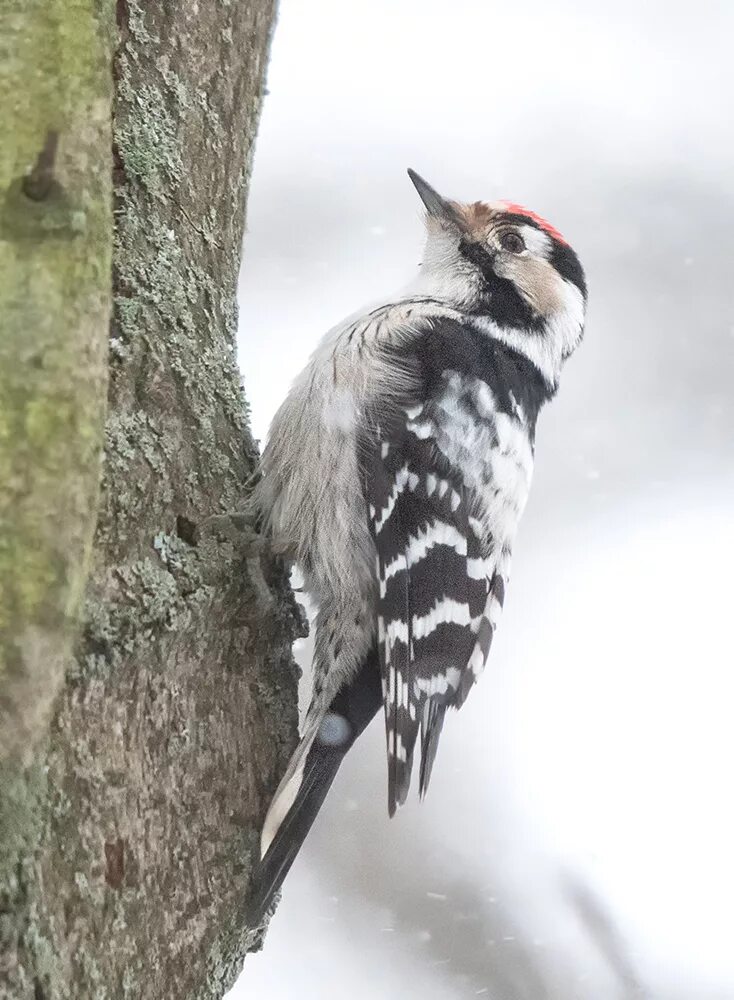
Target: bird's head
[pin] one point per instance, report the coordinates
(508, 267)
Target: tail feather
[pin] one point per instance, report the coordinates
(307, 781)
(289, 787)
(431, 726)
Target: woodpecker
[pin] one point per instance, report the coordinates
(395, 474)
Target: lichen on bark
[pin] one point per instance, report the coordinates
(179, 708)
(55, 247)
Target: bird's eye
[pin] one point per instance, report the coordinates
(512, 242)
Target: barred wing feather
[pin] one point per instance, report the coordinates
(434, 577)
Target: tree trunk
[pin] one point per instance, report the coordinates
(131, 804)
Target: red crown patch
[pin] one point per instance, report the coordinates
(511, 206)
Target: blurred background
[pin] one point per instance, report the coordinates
(577, 838)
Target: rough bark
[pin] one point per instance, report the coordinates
(136, 820)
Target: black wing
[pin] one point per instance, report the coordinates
(443, 523)
(435, 574)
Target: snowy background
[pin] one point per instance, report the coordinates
(577, 838)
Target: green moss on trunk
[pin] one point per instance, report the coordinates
(129, 837)
(55, 291)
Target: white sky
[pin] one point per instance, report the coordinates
(598, 745)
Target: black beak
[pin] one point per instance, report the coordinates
(436, 206)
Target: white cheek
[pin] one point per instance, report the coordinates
(572, 302)
(538, 243)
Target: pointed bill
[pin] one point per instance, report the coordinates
(436, 206)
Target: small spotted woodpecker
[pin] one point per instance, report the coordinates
(395, 474)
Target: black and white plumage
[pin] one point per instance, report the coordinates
(446, 474)
(395, 474)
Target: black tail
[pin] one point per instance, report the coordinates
(431, 725)
(349, 714)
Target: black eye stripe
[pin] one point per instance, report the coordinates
(499, 297)
(478, 255)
